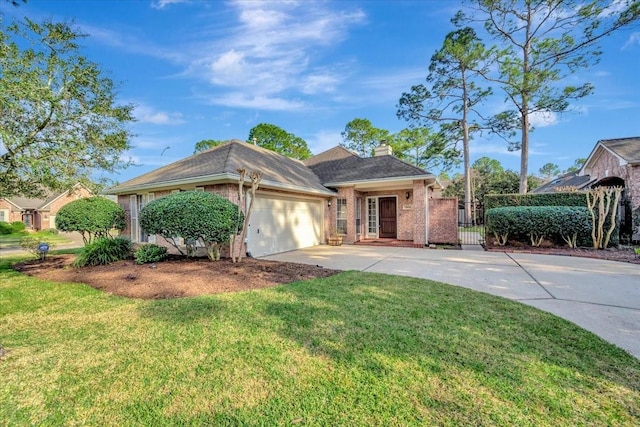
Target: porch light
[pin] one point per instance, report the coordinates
(407, 195)
(329, 203)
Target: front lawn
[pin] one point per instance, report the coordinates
(351, 349)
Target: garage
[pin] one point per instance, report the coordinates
(279, 224)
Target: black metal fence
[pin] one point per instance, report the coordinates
(472, 231)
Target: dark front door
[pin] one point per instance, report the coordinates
(388, 220)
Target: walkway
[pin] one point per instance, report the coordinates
(600, 296)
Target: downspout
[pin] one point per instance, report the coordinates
(426, 213)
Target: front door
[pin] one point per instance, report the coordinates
(388, 218)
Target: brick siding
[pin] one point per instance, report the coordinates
(443, 221)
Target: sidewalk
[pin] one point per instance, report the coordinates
(75, 241)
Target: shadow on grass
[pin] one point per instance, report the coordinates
(392, 330)
(184, 310)
(352, 317)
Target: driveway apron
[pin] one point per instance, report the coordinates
(600, 296)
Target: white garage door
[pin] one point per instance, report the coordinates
(279, 224)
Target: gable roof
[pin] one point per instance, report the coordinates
(340, 166)
(220, 164)
(25, 203)
(626, 148)
(571, 179)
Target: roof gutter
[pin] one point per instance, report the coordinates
(212, 179)
(380, 180)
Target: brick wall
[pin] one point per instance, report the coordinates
(608, 165)
(443, 221)
(8, 208)
(54, 207)
(419, 211)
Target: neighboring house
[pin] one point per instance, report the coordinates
(298, 204)
(612, 162)
(39, 214)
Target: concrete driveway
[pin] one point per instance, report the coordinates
(600, 296)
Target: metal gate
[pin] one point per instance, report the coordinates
(471, 233)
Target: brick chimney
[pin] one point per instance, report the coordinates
(383, 149)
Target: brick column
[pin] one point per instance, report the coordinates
(419, 213)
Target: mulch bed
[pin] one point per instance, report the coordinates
(176, 277)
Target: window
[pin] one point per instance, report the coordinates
(372, 216)
(199, 188)
(4, 215)
(137, 202)
(358, 215)
(27, 219)
(341, 216)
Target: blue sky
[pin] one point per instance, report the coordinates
(213, 70)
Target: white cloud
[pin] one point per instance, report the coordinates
(242, 100)
(540, 119)
(634, 40)
(318, 83)
(128, 41)
(161, 4)
(146, 114)
(324, 140)
(270, 51)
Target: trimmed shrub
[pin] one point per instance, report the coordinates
(150, 253)
(568, 224)
(194, 216)
(30, 244)
(534, 199)
(92, 217)
(5, 228)
(570, 199)
(18, 226)
(103, 251)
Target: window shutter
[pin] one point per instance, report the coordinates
(133, 208)
(150, 198)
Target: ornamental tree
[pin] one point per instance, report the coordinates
(92, 217)
(195, 216)
(59, 120)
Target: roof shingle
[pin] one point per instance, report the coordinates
(627, 148)
(340, 165)
(226, 159)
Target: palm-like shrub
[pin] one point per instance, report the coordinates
(103, 251)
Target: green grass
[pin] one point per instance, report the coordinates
(476, 228)
(13, 240)
(352, 349)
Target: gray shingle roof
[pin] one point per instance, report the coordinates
(226, 159)
(340, 165)
(571, 179)
(627, 148)
(29, 203)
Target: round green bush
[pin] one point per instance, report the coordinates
(5, 228)
(18, 226)
(150, 253)
(555, 223)
(92, 217)
(103, 251)
(193, 216)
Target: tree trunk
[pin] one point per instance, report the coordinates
(469, 214)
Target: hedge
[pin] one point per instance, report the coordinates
(560, 224)
(576, 199)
